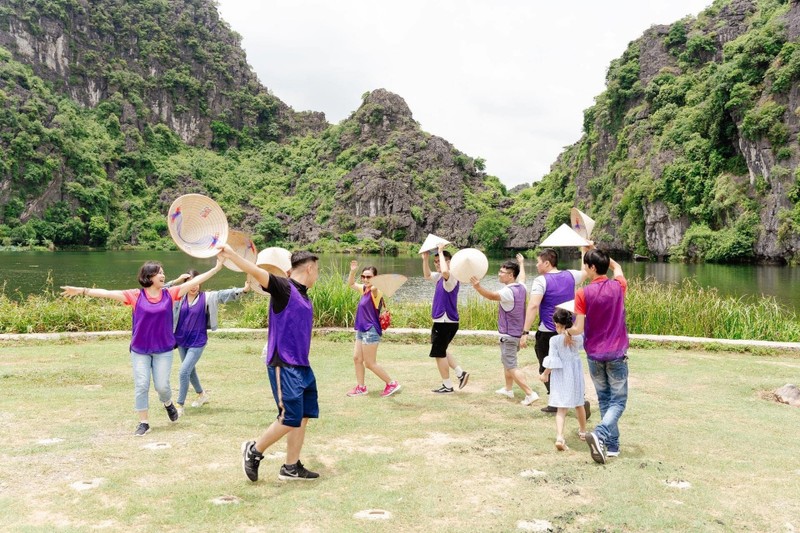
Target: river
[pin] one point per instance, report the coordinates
(23, 273)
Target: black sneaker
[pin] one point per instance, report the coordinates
(462, 380)
(141, 430)
(444, 389)
(587, 408)
(296, 471)
(251, 458)
(172, 413)
(549, 409)
(596, 448)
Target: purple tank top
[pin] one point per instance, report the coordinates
(289, 332)
(445, 302)
(367, 315)
(152, 325)
(559, 288)
(605, 329)
(512, 322)
(192, 323)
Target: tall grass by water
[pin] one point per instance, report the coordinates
(652, 308)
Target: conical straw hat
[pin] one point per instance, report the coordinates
(569, 306)
(197, 224)
(255, 286)
(276, 260)
(581, 222)
(432, 243)
(563, 236)
(388, 283)
(467, 263)
(243, 245)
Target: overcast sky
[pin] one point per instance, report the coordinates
(505, 80)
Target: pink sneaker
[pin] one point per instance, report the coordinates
(390, 389)
(358, 390)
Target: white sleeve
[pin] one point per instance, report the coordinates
(539, 285)
(435, 276)
(450, 283)
(506, 298)
(578, 275)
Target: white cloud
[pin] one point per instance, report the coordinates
(506, 80)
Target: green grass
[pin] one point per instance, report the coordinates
(437, 463)
(652, 308)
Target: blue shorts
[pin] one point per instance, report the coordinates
(371, 336)
(295, 391)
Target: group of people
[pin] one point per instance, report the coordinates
(177, 314)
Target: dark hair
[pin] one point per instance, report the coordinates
(192, 273)
(598, 259)
(147, 271)
(447, 255)
(370, 268)
(302, 257)
(511, 265)
(549, 255)
(563, 317)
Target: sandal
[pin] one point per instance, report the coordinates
(582, 435)
(561, 445)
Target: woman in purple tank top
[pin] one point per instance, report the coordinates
(152, 339)
(368, 332)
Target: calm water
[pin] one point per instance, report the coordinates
(27, 272)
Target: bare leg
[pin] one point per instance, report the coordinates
(358, 361)
(519, 379)
(275, 432)
(581, 412)
(443, 364)
(451, 360)
(561, 416)
(143, 415)
(509, 379)
(294, 442)
(370, 352)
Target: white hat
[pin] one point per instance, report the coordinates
(243, 245)
(388, 283)
(569, 306)
(275, 260)
(581, 222)
(198, 225)
(467, 263)
(431, 243)
(564, 236)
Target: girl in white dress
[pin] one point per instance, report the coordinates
(564, 370)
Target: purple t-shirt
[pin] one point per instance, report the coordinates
(152, 325)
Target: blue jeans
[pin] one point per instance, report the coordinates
(187, 373)
(157, 364)
(371, 336)
(610, 380)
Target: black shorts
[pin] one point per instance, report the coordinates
(441, 335)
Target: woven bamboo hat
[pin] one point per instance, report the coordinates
(243, 245)
(564, 236)
(467, 263)
(276, 260)
(581, 222)
(198, 225)
(388, 283)
(432, 243)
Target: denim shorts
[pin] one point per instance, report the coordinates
(371, 336)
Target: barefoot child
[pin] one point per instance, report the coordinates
(564, 372)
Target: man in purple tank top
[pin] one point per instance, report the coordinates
(294, 387)
(511, 317)
(551, 288)
(444, 312)
(600, 310)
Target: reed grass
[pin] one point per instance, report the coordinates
(652, 308)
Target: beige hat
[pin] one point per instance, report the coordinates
(431, 243)
(564, 236)
(198, 225)
(581, 223)
(388, 283)
(255, 286)
(243, 245)
(569, 306)
(276, 260)
(467, 263)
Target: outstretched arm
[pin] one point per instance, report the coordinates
(260, 275)
(351, 279)
(70, 291)
(202, 278)
(426, 268)
(521, 260)
(486, 293)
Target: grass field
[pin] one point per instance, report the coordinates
(471, 461)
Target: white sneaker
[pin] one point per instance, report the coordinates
(502, 391)
(532, 397)
(201, 399)
(180, 409)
